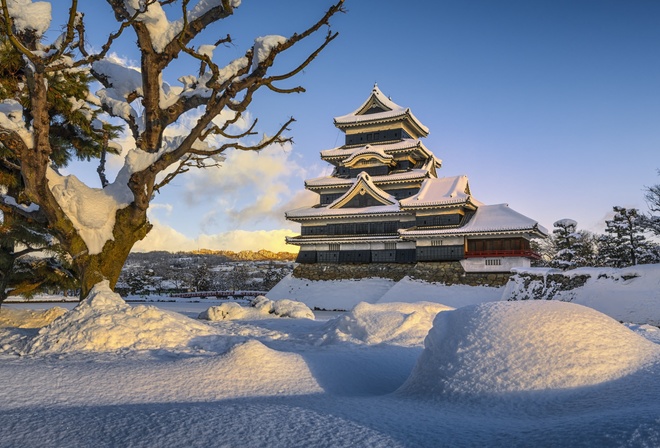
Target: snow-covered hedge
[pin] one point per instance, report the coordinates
(629, 294)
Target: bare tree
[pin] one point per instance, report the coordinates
(99, 241)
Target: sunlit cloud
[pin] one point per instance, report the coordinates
(250, 187)
(164, 238)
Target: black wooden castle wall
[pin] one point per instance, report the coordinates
(429, 253)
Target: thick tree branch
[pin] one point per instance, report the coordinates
(7, 206)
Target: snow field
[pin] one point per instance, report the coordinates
(541, 373)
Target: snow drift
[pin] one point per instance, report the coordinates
(29, 318)
(104, 322)
(502, 347)
(393, 323)
(261, 307)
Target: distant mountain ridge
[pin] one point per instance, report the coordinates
(247, 255)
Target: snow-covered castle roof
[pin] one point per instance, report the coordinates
(379, 108)
(488, 219)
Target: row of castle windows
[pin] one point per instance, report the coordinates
(359, 228)
(378, 136)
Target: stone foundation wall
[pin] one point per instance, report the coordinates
(448, 272)
(334, 271)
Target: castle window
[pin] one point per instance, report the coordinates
(493, 262)
(334, 246)
(390, 246)
(436, 242)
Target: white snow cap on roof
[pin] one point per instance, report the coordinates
(369, 149)
(392, 110)
(382, 99)
(325, 181)
(442, 190)
(364, 182)
(500, 217)
(489, 218)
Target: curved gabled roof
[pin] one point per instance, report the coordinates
(368, 151)
(440, 191)
(364, 185)
(379, 108)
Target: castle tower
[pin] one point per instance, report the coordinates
(384, 202)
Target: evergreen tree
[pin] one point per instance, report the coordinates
(587, 253)
(29, 261)
(31, 258)
(624, 243)
(202, 278)
(567, 244)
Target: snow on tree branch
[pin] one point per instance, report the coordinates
(98, 226)
(13, 132)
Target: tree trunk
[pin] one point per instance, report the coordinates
(131, 226)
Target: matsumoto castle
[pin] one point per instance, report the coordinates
(384, 202)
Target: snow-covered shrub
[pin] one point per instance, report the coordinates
(503, 347)
(228, 311)
(260, 307)
(393, 323)
(291, 308)
(262, 303)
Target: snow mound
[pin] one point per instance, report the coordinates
(261, 307)
(104, 322)
(392, 323)
(29, 318)
(255, 369)
(500, 347)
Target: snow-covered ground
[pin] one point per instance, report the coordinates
(402, 373)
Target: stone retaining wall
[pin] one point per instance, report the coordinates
(449, 273)
(548, 286)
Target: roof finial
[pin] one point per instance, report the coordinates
(375, 86)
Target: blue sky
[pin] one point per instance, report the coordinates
(550, 106)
